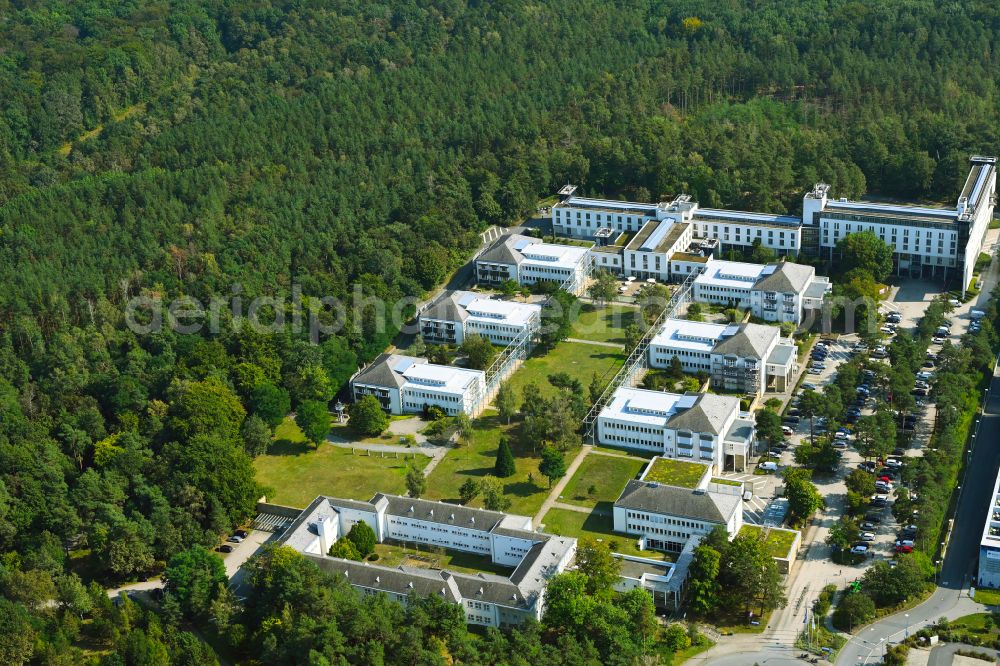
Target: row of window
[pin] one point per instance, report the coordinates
(632, 527)
(660, 519)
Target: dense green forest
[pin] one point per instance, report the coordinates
(167, 148)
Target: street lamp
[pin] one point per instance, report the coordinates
(906, 634)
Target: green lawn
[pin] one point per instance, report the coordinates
(676, 473)
(778, 542)
(421, 555)
(296, 472)
(988, 597)
(597, 524)
(604, 324)
(605, 474)
(726, 482)
(577, 359)
(477, 459)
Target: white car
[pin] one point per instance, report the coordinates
(867, 536)
(788, 432)
(859, 549)
(768, 466)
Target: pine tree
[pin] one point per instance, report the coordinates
(504, 466)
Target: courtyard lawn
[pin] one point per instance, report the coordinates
(605, 474)
(778, 542)
(477, 458)
(296, 473)
(429, 557)
(676, 473)
(604, 324)
(598, 525)
(577, 359)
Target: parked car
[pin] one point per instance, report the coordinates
(868, 526)
(808, 386)
(792, 420)
(873, 517)
(888, 330)
(788, 432)
(814, 371)
(922, 392)
(903, 549)
(224, 548)
(893, 462)
(894, 318)
(976, 314)
(235, 539)
(867, 465)
(859, 549)
(793, 412)
(905, 542)
(819, 365)
(867, 536)
(774, 453)
(880, 500)
(768, 466)
(242, 533)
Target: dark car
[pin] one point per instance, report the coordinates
(919, 392)
(885, 471)
(873, 517)
(224, 548)
(899, 451)
(869, 526)
(243, 534)
(793, 412)
(793, 420)
(867, 465)
(928, 364)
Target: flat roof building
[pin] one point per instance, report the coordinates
(528, 261)
(458, 314)
(701, 427)
(737, 357)
(409, 384)
(781, 292)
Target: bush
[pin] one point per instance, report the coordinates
(367, 416)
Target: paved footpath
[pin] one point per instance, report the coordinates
(597, 343)
(553, 497)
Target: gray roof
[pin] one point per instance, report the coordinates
(741, 431)
(446, 309)
(681, 502)
(816, 289)
(786, 278)
(750, 341)
(440, 512)
(782, 354)
(708, 414)
(380, 373)
(400, 580)
(503, 252)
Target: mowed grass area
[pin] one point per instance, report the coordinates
(605, 324)
(598, 525)
(605, 474)
(676, 473)
(577, 359)
(296, 473)
(777, 541)
(476, 459)
(988, 597)
(414, 555)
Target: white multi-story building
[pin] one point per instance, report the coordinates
(487, 599)
(989, 545)
(702, 427)
(737, 357)
(462, 313)
(926, 240)
(666, 517)
(780, 292)
(528, 261)
(409, 384)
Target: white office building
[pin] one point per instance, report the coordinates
(701, 427)
(462, 313)
(927, 240)
(487, 599)
(931, 241)
(780, 292)
(989, 545)
(738, 357)
(528, 261)
(666, 517)
(409, 384)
